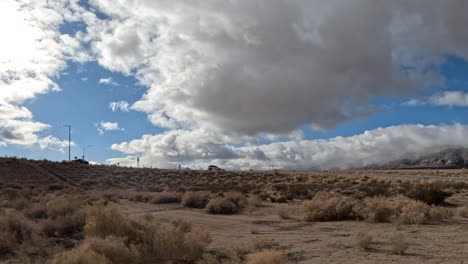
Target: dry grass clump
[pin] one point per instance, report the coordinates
(399, 244)
(326, 206)
(80, 256)
(267, 257)
(364, 240)
(196, 199)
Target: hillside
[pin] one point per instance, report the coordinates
(447, 159)
(25, 172)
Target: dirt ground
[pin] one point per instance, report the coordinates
(320, 242)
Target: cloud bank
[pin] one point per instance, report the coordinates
(375, 146)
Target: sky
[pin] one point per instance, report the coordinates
(241, 84)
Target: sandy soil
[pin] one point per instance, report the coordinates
(322, 242)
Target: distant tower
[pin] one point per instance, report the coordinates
(138, 162)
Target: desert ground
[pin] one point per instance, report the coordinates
(70, 213)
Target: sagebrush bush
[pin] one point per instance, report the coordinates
(196, 199)
(237, 198)
(327, 206)
(103, 221)
(152, 240)
(113, 249)
(221, 205)
(399, 209)
(66, 225)
(430, 192)
(61, 206)
(375, 210)
(15, 230)
(267, 257)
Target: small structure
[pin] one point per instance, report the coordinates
(82, 161)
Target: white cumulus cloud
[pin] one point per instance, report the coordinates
(119, 106)
(108, 126)
(108, 81)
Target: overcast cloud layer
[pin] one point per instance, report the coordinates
(224, 74)
(253, 67)
(256, 68)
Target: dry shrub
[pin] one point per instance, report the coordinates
(364, 240)
(375, 210)
(153, 241)
(463, 211)
(20, 203)
(196, 199)
(283, 213)
(173, 241)
(267, 257)
(327, 206)
(63, 226)
(36, 211)
(80, 256)
(113, 249)
(399, 244)
(14, 231)
(65, 217)
(165, 197)
(430, 192)
(237, 198)
(221, 205)
(61, 206)
(399, 209)
(103, 221)
(255, 201)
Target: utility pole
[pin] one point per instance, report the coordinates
(69, 142)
